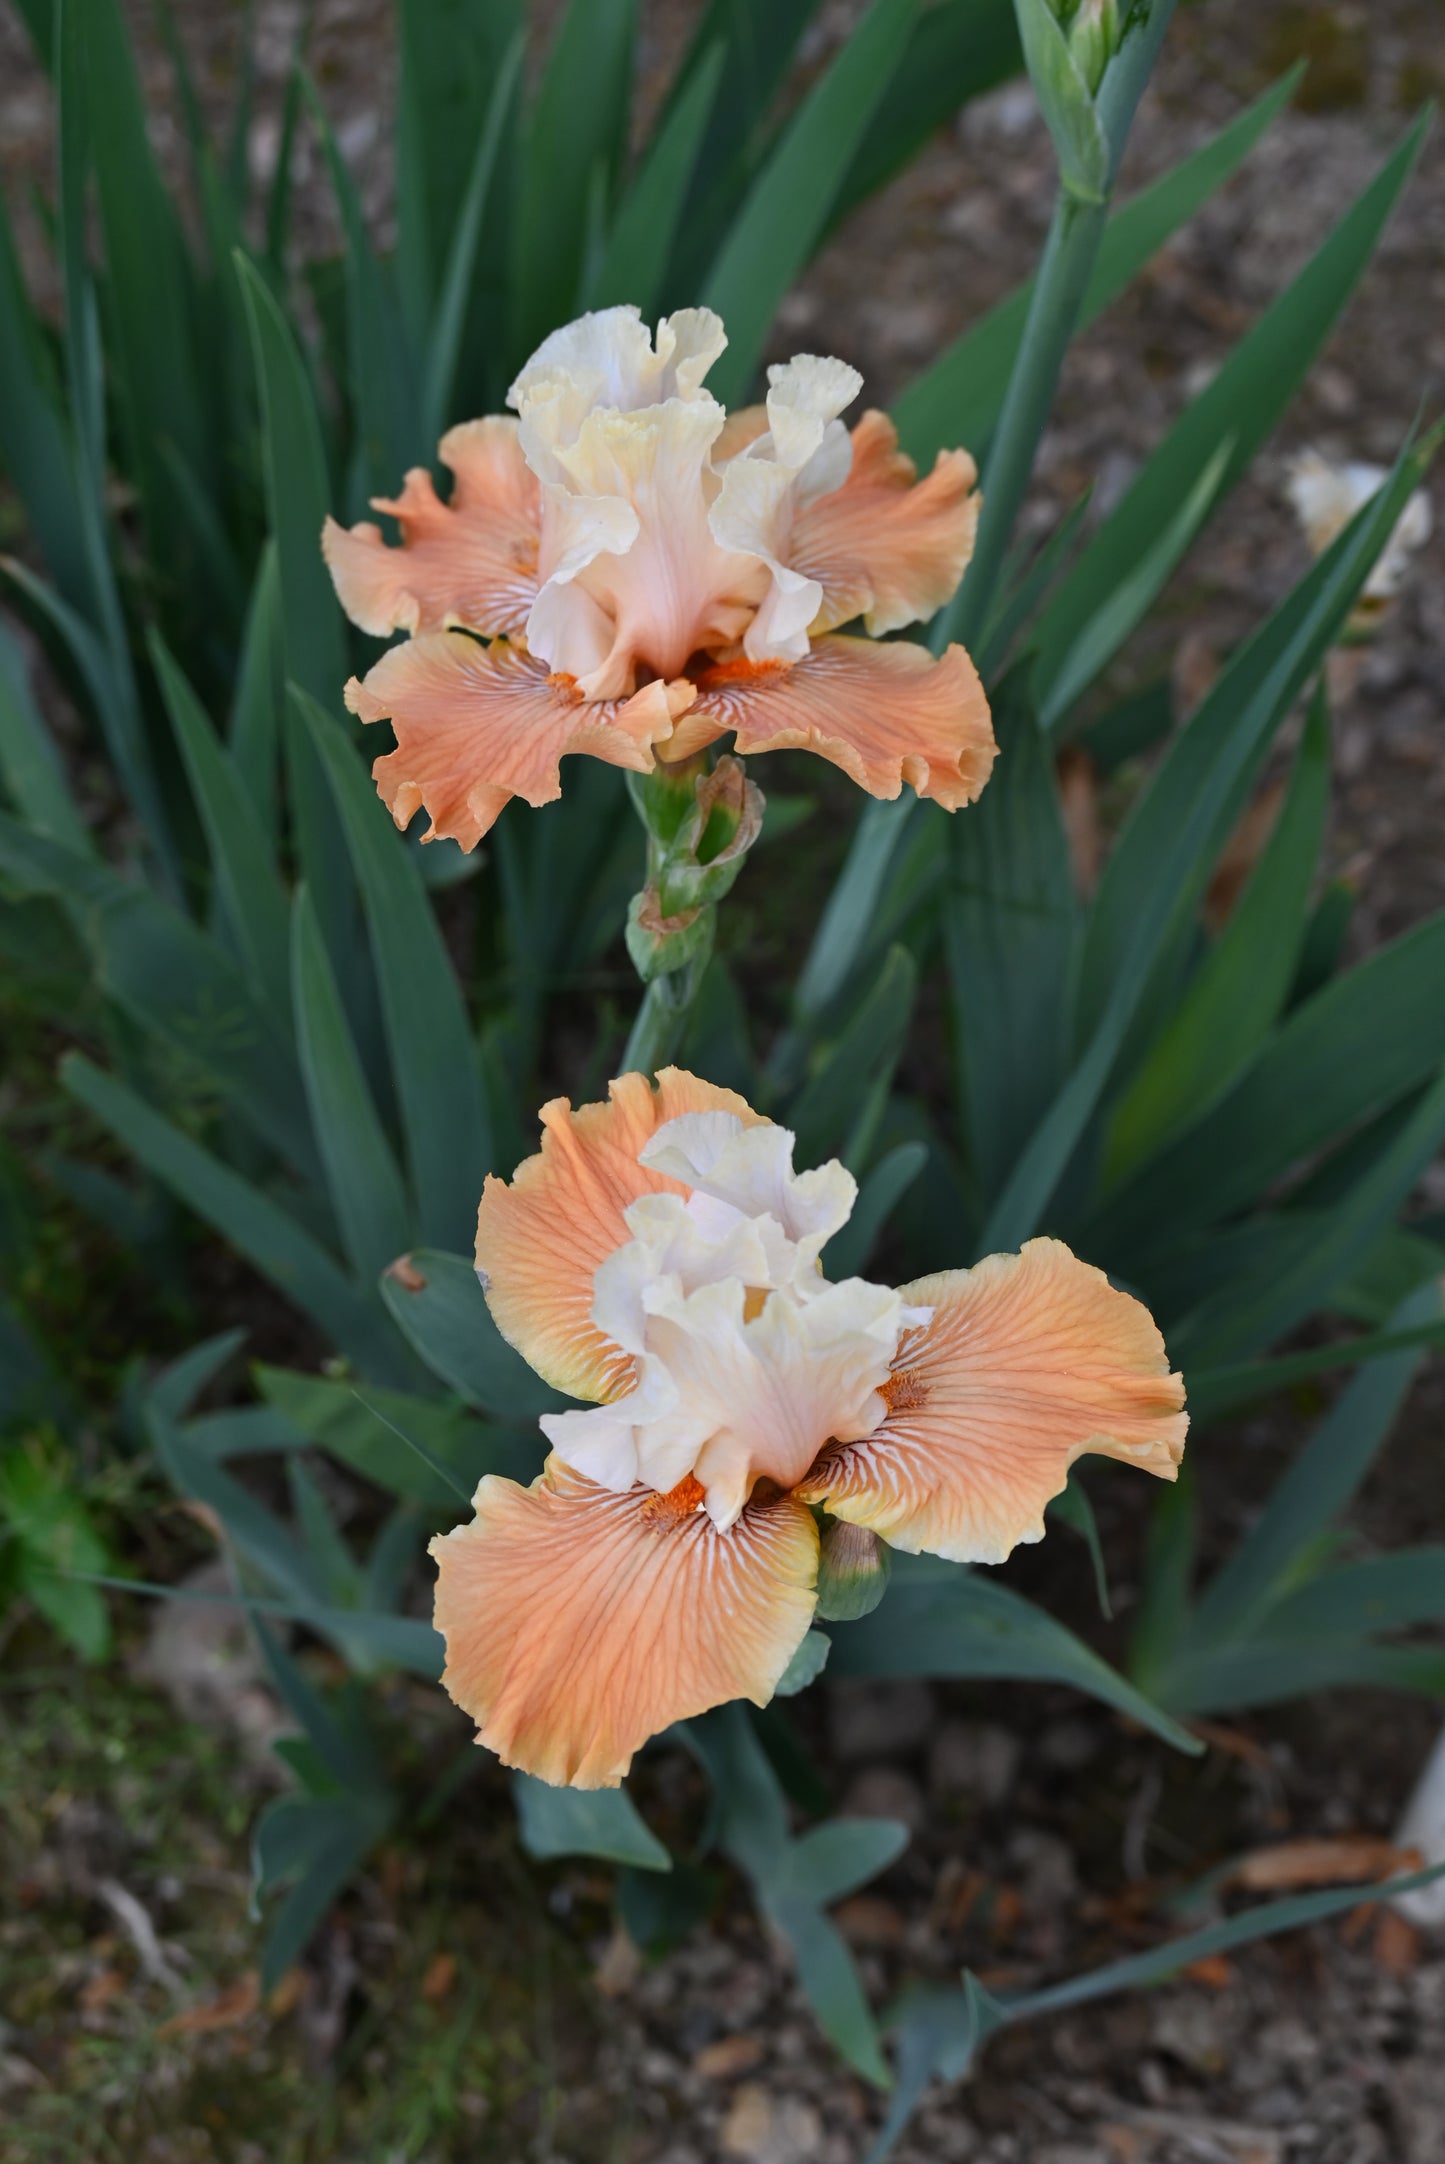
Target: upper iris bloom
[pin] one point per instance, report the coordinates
(661, 1258)
(652, 573)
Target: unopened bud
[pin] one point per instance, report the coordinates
(700, 823)
(667, 795)
(853, 1569)
(1094, 38)
(707, 849)
(658, 943)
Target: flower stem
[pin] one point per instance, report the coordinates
(661, 1019)
(1063, 276)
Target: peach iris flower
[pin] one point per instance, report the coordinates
(661, 1259)
(628, 571)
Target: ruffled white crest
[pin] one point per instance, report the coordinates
(648, 555)
(1325, 497)
(601, 1442)
(669, 1241)
(727, 1399)
(748, 1360)
(608, 358)
(803, 454)
(749, 1171)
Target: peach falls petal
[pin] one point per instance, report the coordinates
(1029, 1361)
(634, 543)
(578, 1621)
(662, 1258)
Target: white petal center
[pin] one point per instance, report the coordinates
(649, 552)
(748, 1359)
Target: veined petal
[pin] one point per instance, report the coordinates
(1029, 1361)
(886, 714)
(470, 561)
(542, 1238)
(886, 546)
(580, 1622)
(478, 724)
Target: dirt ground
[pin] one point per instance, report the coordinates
(462, 2007)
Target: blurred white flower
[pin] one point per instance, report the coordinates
(1326, 497)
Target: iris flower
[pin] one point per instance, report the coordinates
(627, 570)
(661, 1258)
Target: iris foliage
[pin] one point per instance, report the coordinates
(317, 1038)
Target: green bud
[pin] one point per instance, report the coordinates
(667, 796)
(1094, 39)
(853, 1569)
(660, 944)
(701, 822)
(706, 852)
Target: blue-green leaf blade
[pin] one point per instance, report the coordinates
(441, 1310)
(433, 1059)
(941, 1620)
(362, 1178)
(788, 204)
(585, 1822)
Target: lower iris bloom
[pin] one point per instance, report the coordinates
(661, 1258)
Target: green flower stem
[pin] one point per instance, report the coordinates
(701, 817)
(1063, 277)
(661, 1019)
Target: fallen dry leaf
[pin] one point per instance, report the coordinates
(1398, 1945)
(1079, 802)
(235, 2004)
(1196, 666)
(100, 1989)
(1233, 1742)
(287, 1995)
(1212, 1969)
(868, 1920)
(441, 1974)
(620, 1966)
(1006, 1914)
(727, 2056)
(205, 1517)
(748, 2128)
(1240, 855)
(1341, 1860)
(1204, 2136)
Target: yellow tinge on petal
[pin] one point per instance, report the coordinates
(542, 1237)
